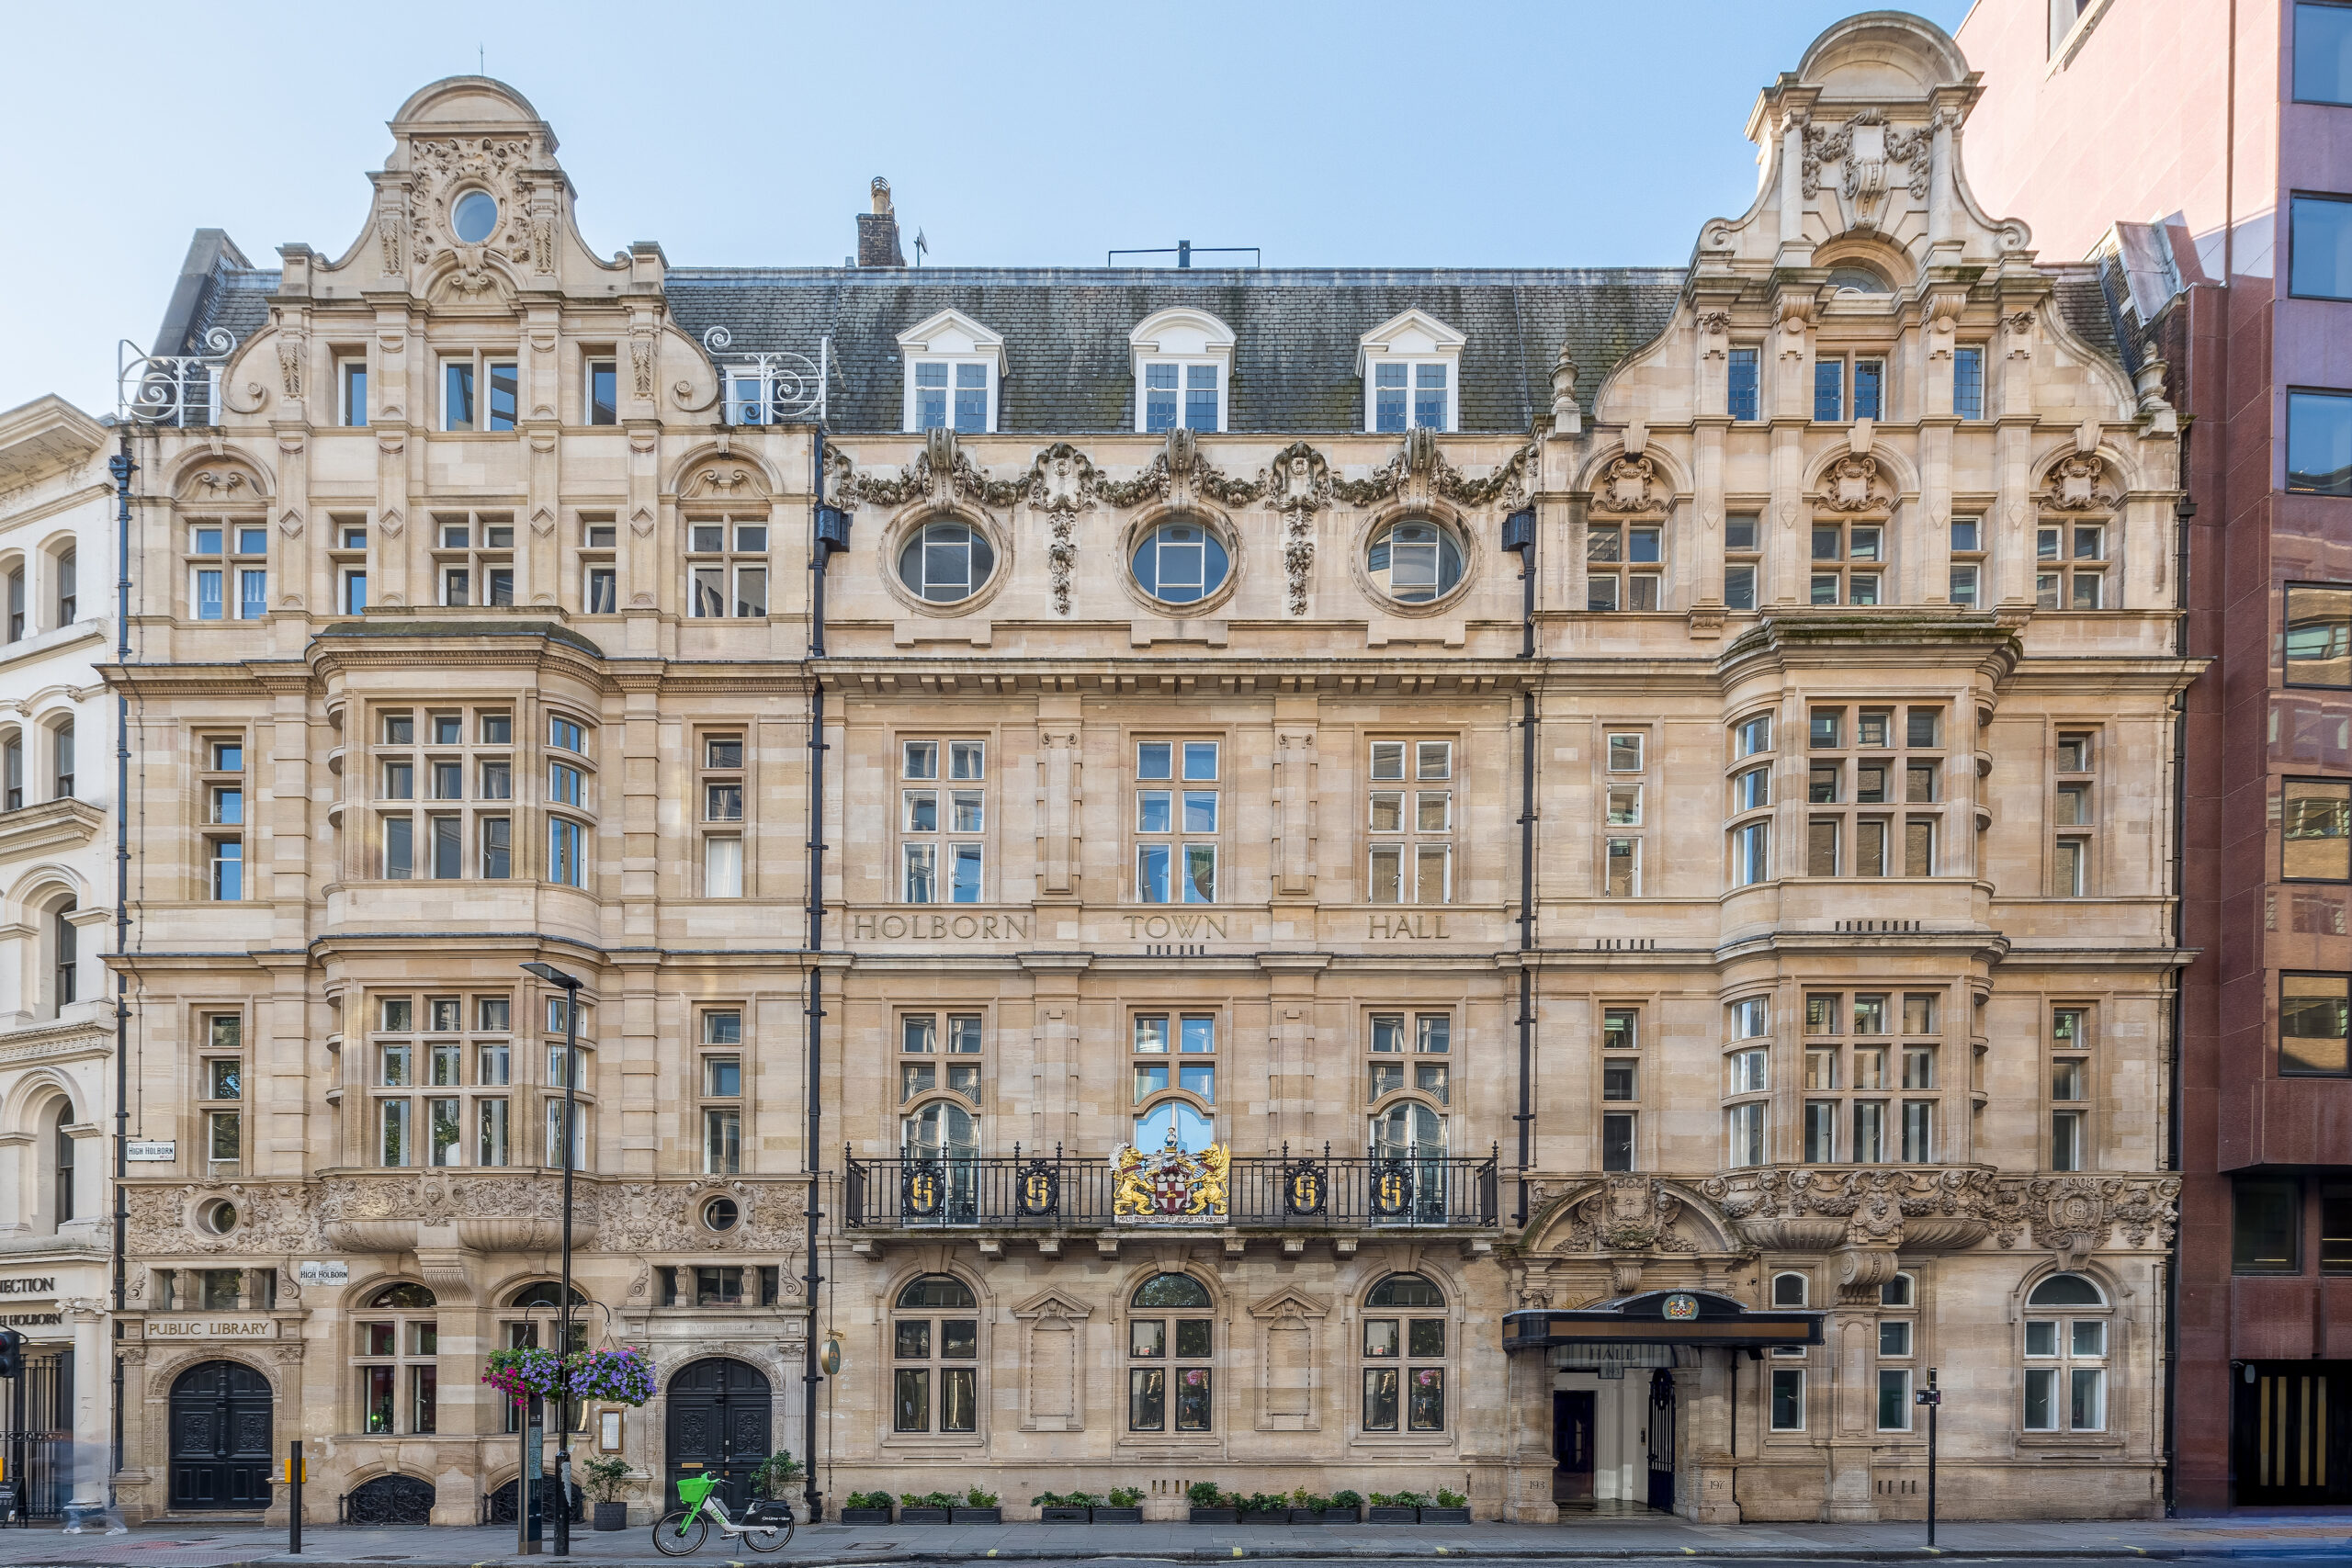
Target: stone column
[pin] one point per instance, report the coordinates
(93, 1444)
(1846, 1491)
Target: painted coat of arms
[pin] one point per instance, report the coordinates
(1170, 1185)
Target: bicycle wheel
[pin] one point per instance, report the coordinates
(671, 1540)
(768, 1538)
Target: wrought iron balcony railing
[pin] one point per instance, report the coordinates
(1285, 1191)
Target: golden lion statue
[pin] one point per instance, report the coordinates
(1130, 1196)
(1209, 1193)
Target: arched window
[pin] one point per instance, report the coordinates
(16, 627)
(935, 1353)
(946, 560)
(65, 749)
(1409, 1130)
(1404, 1355)
(12, 769)
(66, 598)
(65, 953)
(1180, 562)
(533, 1324)
(1194, 1132)
(1172, 1341)
(394, 1354)
(1413, 560)
(942, 1130)
(61, 1160)
(2065, 1355)
(1789, 1290)
(1852, 277)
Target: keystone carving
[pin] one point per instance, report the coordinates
(1873, 157)
(2077, 482)
(1061, 483)
(1627, 1214)
(1626, 485)
(1298, 485)
(1853, 483)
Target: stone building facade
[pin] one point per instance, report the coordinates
(57, 896)
(1393, 848)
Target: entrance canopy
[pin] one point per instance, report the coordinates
(1661, 1317)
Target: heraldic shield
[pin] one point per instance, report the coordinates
(1170, 1185)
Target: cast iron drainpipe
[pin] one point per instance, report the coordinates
(1518, 534)
(2183, 510)
(121, 468)
(830, 533)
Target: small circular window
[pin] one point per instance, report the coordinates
(1414, 561)
(947, 562)
(474, 217)
(721, 1214)
(220, 1217)
(1180, 563)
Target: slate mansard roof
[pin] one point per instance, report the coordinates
(1295, 331)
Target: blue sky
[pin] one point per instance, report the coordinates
(1367, 134)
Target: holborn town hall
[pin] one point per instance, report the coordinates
(1550, 883)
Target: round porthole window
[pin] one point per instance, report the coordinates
(1414, 560)
(1180, 563)
(947, 562)
(474, 217)
(721, 1214)
(220, 1217)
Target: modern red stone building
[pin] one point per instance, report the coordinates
(2202, 155)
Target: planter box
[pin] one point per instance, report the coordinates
(1109, 1515)
(1062, 1515)
(1267, 1516)
(914, 1515)
(1306, 1516)
(1337, 1517)
(1389, 1514)
(1445, 1516)
(865, 1516)
(988, 1516)
(611, 1516)
(1215, 1516)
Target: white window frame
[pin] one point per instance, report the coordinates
(1181, 335)
(482, 361)
(950, 338)
(344, 366)
(1413, 338)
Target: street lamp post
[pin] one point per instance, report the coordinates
(570, 984)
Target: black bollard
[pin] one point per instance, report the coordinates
(294, 1503)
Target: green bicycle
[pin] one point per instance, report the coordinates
(765, 1528)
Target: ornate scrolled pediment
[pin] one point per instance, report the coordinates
(2079, 481)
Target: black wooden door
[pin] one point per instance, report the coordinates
(719, 1411)
(220, 1437)
(1572, 1458)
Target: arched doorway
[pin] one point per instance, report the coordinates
(220, 1437)
(719, 1411)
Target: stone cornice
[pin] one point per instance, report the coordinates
(55, 1043)
(53, 824)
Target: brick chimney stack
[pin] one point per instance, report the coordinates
(878, 232)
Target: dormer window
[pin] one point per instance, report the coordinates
(953, 367)
(1184, 361)
(1411, 367)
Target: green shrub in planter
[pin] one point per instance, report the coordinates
(1346, 1507)
(866, 1508)
(1210, 1505)
(931, 1508)
(977, 1506)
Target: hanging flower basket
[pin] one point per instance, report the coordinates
(519, 1374)
(614, 1376)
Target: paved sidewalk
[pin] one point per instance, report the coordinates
(194, 1545)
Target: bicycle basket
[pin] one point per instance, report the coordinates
(693, 1489)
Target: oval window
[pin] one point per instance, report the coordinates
(220, 1218)
(474, 217)
(719, 1214)
(947, 562)
(1414, 561)
(1180, 563)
